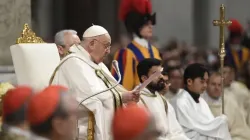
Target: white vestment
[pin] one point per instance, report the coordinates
(237, 125)
(172, 96)
(197, 120)
(240, 93)
(164, 115)
(78, 73)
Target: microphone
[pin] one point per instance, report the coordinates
(117, 70)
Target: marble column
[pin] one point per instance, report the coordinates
(13, 15)
(42, 19)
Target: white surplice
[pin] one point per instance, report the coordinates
(237, 125)
(164, 115)
(197, 120)
(79, 75)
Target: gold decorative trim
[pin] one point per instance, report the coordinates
(28, 36)
(91, 126)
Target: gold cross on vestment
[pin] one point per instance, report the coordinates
(222, 52)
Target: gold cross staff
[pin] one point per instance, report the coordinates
(222, 52)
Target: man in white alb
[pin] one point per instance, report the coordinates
(84, 74)
(236, 122)
(193, 112)
(159, 107)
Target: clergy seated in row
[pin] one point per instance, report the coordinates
(15, 126)
(139, 21)
(156, 103)
(175, 76)
(236, 123)
(84, 73)
(193, 112)
(141, 126)
(64, 39)
(238, 91)
(52, 114)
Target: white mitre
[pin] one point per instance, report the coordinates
(94, 30)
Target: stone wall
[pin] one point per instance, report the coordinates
(13, 15)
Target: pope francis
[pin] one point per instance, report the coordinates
(83, 72)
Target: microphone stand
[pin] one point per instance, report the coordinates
(115, 66)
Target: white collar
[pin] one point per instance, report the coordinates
(143, 42)
(16, 130)
(210, 100)
(82, 53)
(148, 93)
(79, 51)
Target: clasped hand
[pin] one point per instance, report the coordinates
(131, 96)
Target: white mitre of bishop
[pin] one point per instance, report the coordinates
(94, 30)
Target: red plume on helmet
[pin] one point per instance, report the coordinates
(235, 27)
(140, 6)
(135, 14)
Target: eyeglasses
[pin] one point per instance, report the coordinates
(167, 82)
(106, 46)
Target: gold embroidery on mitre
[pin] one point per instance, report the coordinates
(28, 36)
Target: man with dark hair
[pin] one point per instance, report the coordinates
(193, 112)
(52, 114)
(175, 76)
(14, 114)
(156, 103)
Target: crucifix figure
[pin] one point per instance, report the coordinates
(222, 22)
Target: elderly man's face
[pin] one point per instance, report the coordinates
(100, 48)
(214, 86)
(70, 40)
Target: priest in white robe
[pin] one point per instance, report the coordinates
(84, 74)
(236, 123)
(193, 112)
(160, 108)
(237, 90)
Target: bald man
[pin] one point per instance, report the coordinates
(84, 73)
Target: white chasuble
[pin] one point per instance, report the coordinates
(236, 123)
(197, 120)
(84, 78)
(164, 115)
